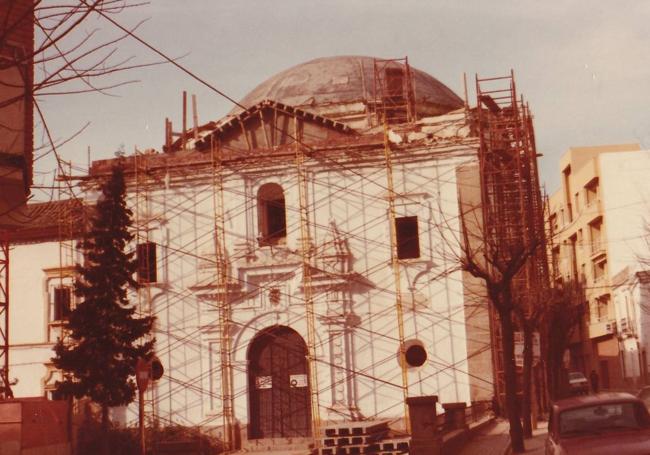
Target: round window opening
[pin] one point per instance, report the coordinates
(415, 354)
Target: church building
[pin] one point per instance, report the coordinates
(301, 256)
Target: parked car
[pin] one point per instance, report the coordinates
(604, 423)
(578, 383)
(644, 395)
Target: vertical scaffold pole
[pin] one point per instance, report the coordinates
(4, 315)
(145, 305)
(69, 227)
(223, 303)
(399, 310)
(306, 255)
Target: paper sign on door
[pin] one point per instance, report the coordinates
(263, 382)
(298, 380)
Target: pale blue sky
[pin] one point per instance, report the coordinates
(582, 65)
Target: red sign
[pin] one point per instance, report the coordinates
(142, 374)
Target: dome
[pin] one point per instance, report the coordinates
(340, 87)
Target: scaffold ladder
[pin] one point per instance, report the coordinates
(513, 218)
(394, 91)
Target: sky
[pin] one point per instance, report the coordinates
(581, 64)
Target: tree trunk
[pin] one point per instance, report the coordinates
(105, 428)
(527, 381)
(510, 375)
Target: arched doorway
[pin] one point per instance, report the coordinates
(278, 385)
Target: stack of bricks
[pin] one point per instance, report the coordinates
(361, 438)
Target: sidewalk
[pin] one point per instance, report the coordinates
(495, 440)
(536, 444)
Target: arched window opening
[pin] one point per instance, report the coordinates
(271, 215)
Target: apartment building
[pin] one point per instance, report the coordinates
(599, 236)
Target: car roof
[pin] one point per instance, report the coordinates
(589, 400)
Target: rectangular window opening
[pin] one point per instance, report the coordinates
(62, 300)
(146, 254)
(408, 239)
(276, 220)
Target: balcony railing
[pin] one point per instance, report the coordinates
(591, 210)
(597, 248)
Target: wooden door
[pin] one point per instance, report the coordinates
(278, 385)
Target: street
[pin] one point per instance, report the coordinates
(494, 440)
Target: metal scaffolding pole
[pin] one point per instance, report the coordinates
(223, 301)
(395, 263)
(306, 251)
(6, 391)
(145, 265)
(513, 219)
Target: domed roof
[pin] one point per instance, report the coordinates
(343, 80)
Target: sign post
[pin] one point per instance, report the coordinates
(142, 374)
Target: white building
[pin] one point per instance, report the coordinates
(329, 105)
(626, 203)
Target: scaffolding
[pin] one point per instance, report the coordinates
(146, 263)
(394, 104)
(306, 253)
(394, 91)
(316, 280)
(513, 218)
(5, 392)
(395, 264)
(66, 221)
(70, 223)
(223, 300)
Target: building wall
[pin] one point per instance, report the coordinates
(625, 203)
(16, 118)
(477, 315)
(599, 209)
(33, 272)
(354, 292)
(349, 206)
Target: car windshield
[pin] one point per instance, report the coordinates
(575, 376)
(600, 418)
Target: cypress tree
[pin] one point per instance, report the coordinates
(105, 337)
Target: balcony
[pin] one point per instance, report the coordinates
(597, 250)
(602, 327)
(591, 211)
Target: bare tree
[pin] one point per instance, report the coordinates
(504, 268)
(566, 305)
(50, 48)
(70, 54)
(55, 48)
(498, 277)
